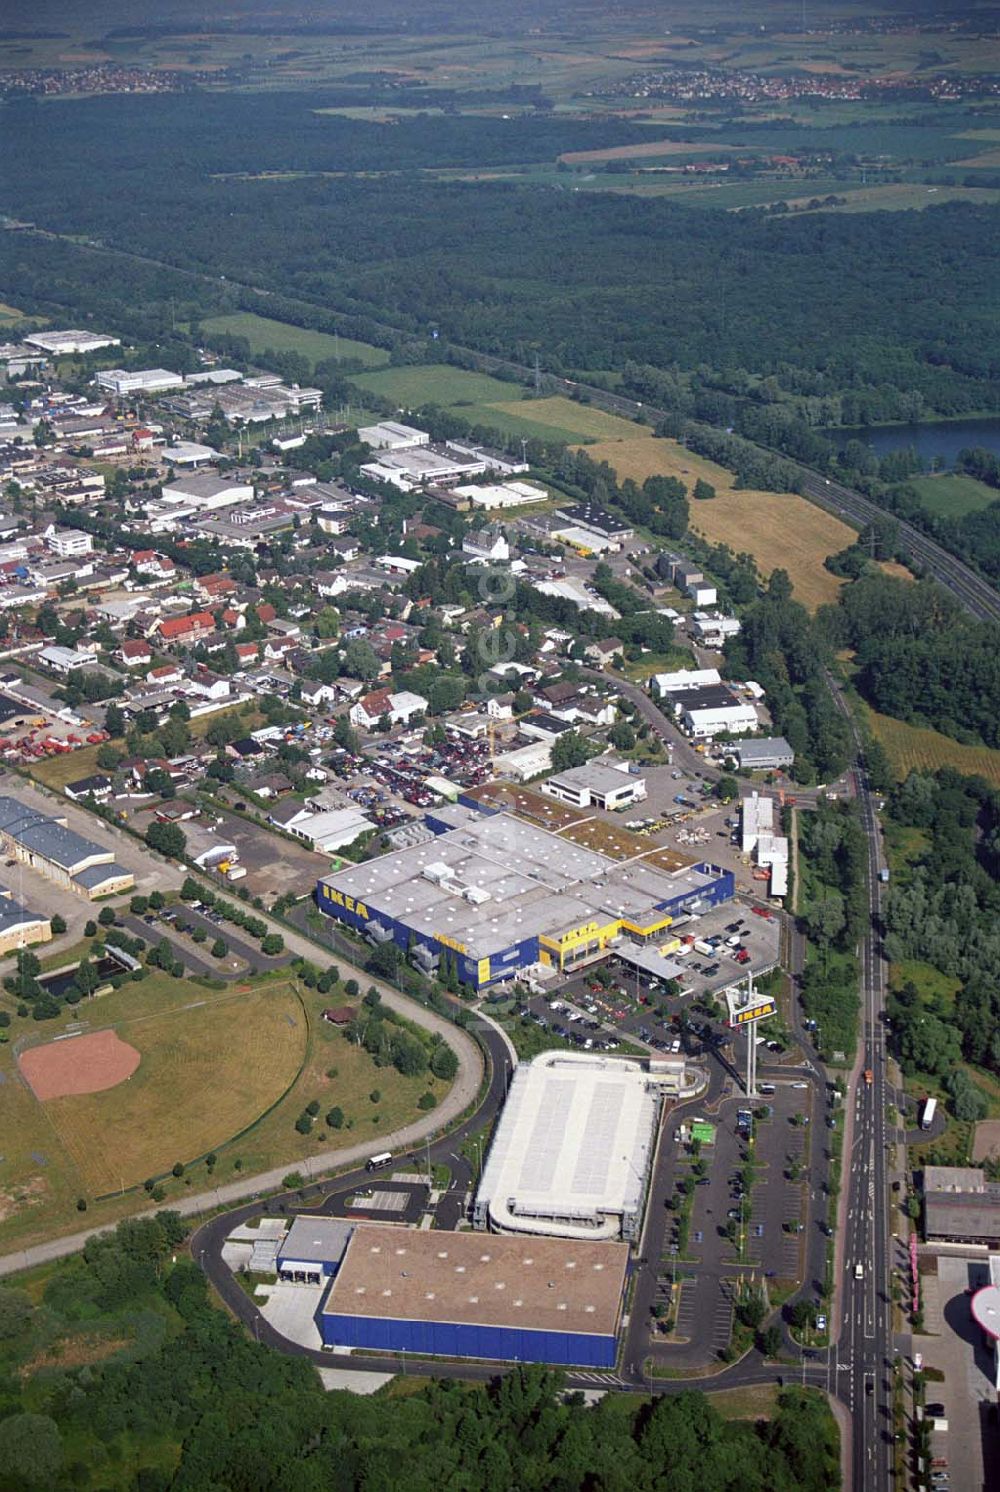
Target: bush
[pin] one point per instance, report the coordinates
(352, 989)
(335, 1118)
(444, 1063)
(106, 917)
(272, 944)
(139, 905)
(4, 1019)
(157, 901)
(312, 1107)
(427, 1101)
(177, 1169)
(58, 924)
(158, 1193)
(304, 1124)
(293, 1181)
(90, 929)
(81, 1204)
(219, 949)
(375, 1095)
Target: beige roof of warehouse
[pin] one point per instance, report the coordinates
(479, 1279)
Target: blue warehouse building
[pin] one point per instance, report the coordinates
(496, 893)
(505, 1299)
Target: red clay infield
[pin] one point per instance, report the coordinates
(78, 1064)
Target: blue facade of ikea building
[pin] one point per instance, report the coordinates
(456, 1339)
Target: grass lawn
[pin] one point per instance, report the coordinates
(212, 1062)
(56, 771)
(434, 383)
(952, 495)
(10, 313)
(210, 1066)
(582, 420)
(934, 986)
(745, 520)
(918, 748)
(283, 336)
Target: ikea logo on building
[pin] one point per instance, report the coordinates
(341, 899)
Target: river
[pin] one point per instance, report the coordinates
(940, 441)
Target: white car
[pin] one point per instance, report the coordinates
(821, 1323)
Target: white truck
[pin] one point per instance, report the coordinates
(927, 1113)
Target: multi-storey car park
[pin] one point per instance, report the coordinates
(500, 894)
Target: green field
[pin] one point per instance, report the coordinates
(213, 1063)
(435, 383)
(915, 748)
(281, 336)
(952, 495)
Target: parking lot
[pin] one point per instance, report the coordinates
(274, 864)
(733, 1232)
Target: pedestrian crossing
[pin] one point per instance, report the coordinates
(597, 1380)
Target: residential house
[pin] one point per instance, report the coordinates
(400, 708)
(186, 629)
(135, 652)
(486, 545)
(602, 651)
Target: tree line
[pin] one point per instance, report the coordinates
(186, 1401)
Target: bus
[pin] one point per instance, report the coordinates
(378, 1162)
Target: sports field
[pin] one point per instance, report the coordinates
(952, 494)
(228, 1071)
(281, 336)
(777, 528)
(915, 748)
(434, 383)
(207, 1069)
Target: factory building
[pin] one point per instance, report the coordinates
(572, 1151)
(597, 785)
(465, 1295)
(499, 894)
(49, 846)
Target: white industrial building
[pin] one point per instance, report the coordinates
(123, 381)
(756, 818)
(503, 494)
(571, 588)
(685, 679)
(207, 491)
(713, 711)
(712, 630)
(391, 436)
(572, 1150)
(62, 344)
(67, 543)
(759, 838)
(597, 785)
(764, 753)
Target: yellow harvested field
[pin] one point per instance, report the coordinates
(641, 149)
(579, 419)
(894, 570)
(780, 529)
(915, 748)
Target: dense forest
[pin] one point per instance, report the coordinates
(834, 856)
(171, 1396)
(942, 909)
(781, 647)
(831, 304)
(918, 656)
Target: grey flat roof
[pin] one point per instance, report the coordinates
(96, 875)
(494, 880)
(598, 776)
(962, 1215)
(316, 1240)
(535, 1284)
(766, 746)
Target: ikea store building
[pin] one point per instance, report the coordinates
(452, 1295)
(499, 893)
